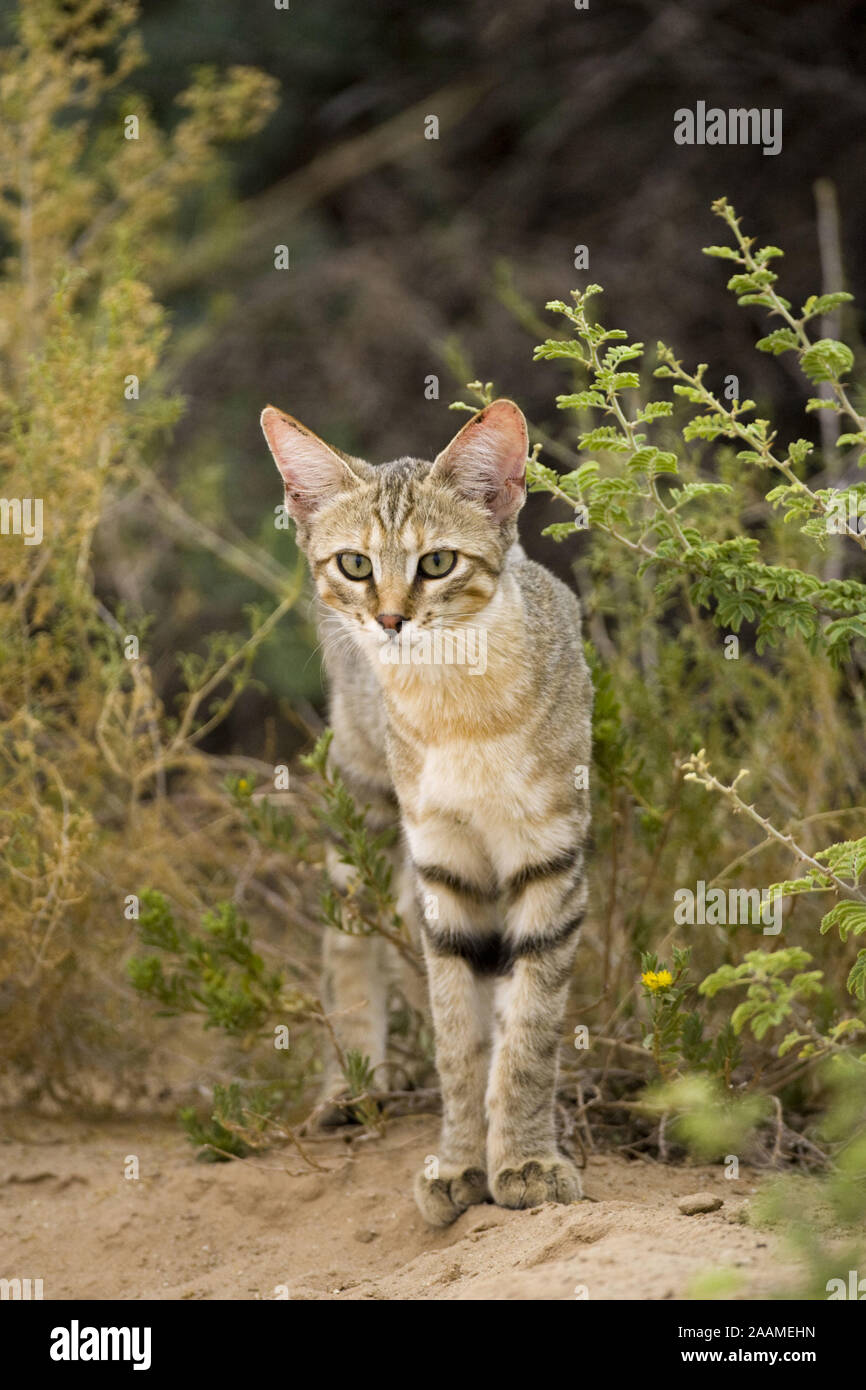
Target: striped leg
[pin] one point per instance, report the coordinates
(458, 915)
(545, 903)
(412, 983)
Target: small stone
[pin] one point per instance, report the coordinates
(699, 1202)
(366, 1236)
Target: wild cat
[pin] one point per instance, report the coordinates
(483, 764)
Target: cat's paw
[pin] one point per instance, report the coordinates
(536, 1180)
(441, 1200)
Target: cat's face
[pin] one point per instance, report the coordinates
(411, 545)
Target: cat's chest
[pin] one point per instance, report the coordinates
(479, 780)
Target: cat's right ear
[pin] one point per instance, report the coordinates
(486, 460)
(312, 472)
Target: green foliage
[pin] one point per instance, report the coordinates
(101, 783)
(676, 1037)
(675, 533)
(823, 1224)
(726, 575)
(360, 1079)
(215, 971)
(707, 1117)
(212, 973)
(238, 1124)
(368, 906)
(267, 821)
(770, 999)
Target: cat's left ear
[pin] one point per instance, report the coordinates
(486, 461)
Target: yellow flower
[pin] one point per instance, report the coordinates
(657, 980)
(243, 785)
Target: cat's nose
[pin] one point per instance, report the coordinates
(391, 622)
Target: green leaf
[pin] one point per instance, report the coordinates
(800, 450)
(825, 303)
(818, 403)
(849, 917)
(682, 495)
(780, 340)
(555, 347)
(665, 463)
(581, 400)
(708, 427)
(573, 483)
(560, 530)
(791, 1040)
(540, 478)
(626, 353)
(625, 381)
(691, 393)
(614, 487)
(606, 438)
(656, 410)
(857, 976)
(753, 280)
(734, 610)
(846, 857)
(827, 360)
(652, 461)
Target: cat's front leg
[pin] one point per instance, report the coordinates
(543, 918)
(459, 934)
(456, 1177)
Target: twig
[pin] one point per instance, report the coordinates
(697, 770)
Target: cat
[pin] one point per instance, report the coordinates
(484, 765)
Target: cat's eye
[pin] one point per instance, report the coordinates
(354, 566)
(437, 564)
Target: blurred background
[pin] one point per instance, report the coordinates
(555, 130)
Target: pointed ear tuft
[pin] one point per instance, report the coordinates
(486, 461)
(312, 472)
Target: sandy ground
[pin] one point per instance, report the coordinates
(267, 1227)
